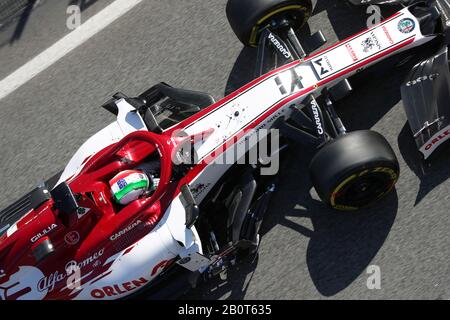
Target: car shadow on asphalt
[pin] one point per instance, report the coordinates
(341, 244)
(345, 19)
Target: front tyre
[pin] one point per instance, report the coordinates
(355, 170)
(248, 17)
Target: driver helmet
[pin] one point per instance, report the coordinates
(129, 186)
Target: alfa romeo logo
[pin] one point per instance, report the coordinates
(406, 25)
(72, 238)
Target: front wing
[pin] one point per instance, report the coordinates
(426, 99)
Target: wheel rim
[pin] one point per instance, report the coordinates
(363, 189)
(297, 15)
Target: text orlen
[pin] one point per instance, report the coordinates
(436, 141)
(439, 138)
(118, 289)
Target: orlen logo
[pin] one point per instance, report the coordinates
(436, 141)
(118, 289)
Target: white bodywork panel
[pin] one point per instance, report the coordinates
(236, 115)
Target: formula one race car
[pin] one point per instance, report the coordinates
(149, 206)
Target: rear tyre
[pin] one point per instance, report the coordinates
(248, 17)
(355, 170)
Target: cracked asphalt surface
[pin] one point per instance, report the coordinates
(307, 250)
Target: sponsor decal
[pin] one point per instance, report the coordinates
(375, 40)
(296, 83)
(81, 212)
(48, 283)
(367, 45)
(430, 77)
(199, 188)
(284, 51)
(22, 285)
(122, 183)
(280, 85)
(315, 110)
(371, 42)
(71, 266)
(43, 233)
(406, 25)
(118, 289)
(270, 120)
(352, 53)
(388, 35)
(323, 66)
(124, 231)
(72, 238)
(438, 139)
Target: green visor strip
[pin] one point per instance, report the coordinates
(130, 187)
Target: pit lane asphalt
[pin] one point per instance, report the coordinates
(307, 251)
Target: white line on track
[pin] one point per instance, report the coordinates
(65, 45)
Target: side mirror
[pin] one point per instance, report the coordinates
(190, 206)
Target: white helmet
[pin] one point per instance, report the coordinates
(129, 185)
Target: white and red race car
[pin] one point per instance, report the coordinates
(68, 238)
